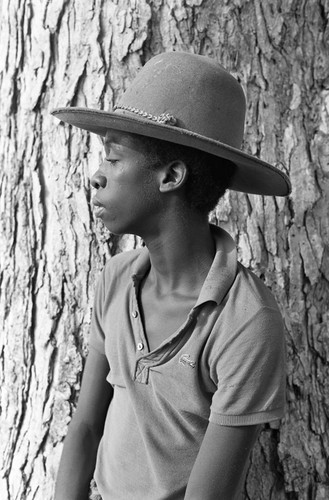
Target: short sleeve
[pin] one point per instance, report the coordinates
(250, 372)
(97, 336)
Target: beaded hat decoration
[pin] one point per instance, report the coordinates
(190, 100)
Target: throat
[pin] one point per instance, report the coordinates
(163, 316)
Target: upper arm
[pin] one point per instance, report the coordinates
(249, 371)
(95, 393)
(221, 461)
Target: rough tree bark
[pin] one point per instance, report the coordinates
(70, 52)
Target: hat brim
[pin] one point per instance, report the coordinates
(252, 175)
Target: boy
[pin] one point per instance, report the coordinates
(186, 351)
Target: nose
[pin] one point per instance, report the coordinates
(98, 180)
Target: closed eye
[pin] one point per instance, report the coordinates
(111, 160)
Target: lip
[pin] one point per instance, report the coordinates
(98, 207)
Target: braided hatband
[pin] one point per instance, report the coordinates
(164, 118)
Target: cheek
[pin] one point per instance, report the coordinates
(150, 196)
(149, 187)
(132, 193)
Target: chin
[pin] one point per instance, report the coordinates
(116, 229)
(120, 227)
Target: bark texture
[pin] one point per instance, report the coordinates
(70, 52)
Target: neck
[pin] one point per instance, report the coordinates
(181, 253)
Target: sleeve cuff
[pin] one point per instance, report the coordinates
(249, 419)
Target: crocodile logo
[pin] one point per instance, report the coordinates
(186, 360)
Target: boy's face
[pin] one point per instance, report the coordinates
(127, 191)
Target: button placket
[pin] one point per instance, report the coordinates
(139, 333)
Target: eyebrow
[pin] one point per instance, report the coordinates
(111, 145)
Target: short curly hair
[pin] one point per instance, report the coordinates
(208, 176)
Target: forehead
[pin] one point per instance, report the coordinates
(122, 141)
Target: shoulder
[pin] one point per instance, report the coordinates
(250, 291)
(250, 308)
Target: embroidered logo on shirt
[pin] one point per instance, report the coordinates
(187, 361)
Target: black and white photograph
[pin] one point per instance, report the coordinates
(164, 250)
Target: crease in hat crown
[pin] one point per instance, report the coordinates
(190, 100)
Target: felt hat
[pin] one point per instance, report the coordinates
(190, 100)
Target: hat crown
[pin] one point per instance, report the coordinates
(198, 92)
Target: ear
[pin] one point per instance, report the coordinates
(173, 175)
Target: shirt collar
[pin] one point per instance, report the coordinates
(223, 269)
(221, 273)
(141, 265)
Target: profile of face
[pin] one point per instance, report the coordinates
(127, 190)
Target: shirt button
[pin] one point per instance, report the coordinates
(140, 346)
(134, 314)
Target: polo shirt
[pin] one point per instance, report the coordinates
(225, 364)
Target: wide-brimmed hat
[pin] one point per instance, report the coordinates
(190, 100)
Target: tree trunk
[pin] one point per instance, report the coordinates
(62, 53)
